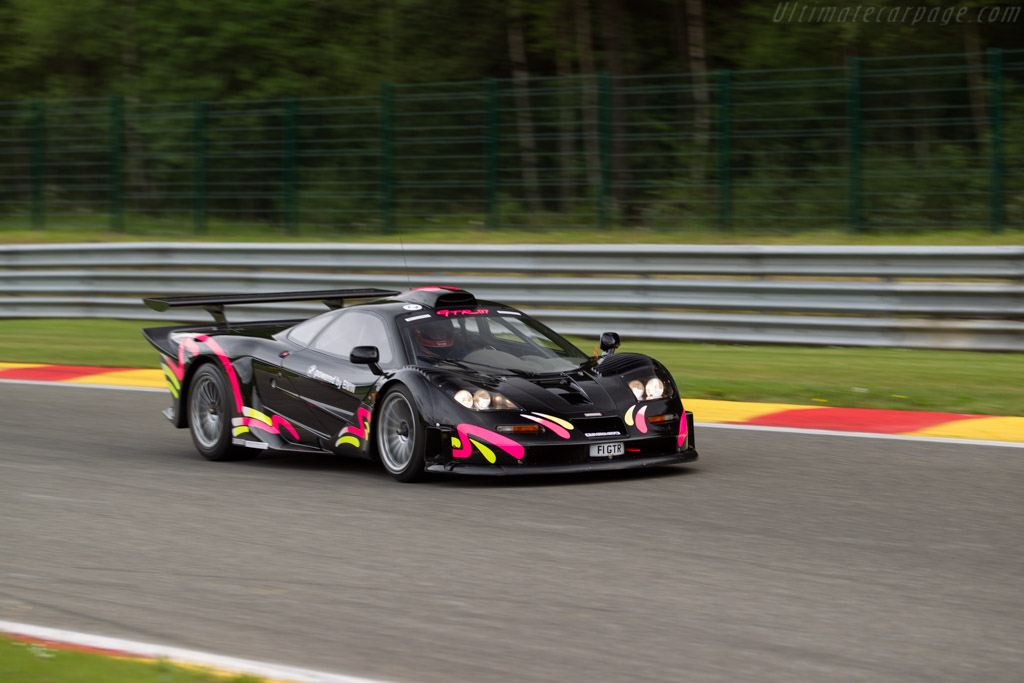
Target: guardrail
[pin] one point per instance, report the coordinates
(969, 298)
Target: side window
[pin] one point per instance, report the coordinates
(304, 332)
(351, 329)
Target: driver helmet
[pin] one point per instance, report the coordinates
(436, 336)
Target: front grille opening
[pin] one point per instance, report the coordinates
(603, 426)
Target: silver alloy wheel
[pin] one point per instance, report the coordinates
(397, 433)
(206, 411)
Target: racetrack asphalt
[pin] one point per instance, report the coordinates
(776, 557)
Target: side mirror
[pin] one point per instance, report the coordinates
(609, 342)
(367, 355)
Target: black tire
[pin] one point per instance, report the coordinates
(209, 414)
(400, 436)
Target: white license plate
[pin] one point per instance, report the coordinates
(607, 450)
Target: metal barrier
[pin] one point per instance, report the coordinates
(969, 298)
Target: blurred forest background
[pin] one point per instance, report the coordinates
(530, 113)
(165, 50)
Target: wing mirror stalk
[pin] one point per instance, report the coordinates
(367, 355)
(609, 342)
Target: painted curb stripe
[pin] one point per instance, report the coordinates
(51, 373)
(736, 411)
(56, 645)
(827, 419)
(821, 418)
(7, 366)
(125, 378)
(987, 429)
(78, 374)
(188, 658)
(858, 419)
(860, 435)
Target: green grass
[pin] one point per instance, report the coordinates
(904, 379)
(33, 663)
(950, 381)
(104, 343)
(96, 229)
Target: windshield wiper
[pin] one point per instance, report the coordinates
(507, 371)
(435, 360)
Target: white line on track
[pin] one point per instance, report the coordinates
(275, 672)
(44, 383)
(861, 435)
(702, 425)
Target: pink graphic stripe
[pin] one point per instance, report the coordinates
(190, 345)
(683, 430)
(279, 422)
(641, 420)
(556, 428)
(503, 442)
(258, 424)
(273, 428)
(363, 416)
(228, 368)
(187, 344)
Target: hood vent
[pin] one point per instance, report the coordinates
(621, 362)
(567, 390)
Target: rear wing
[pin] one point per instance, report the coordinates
(214, 303)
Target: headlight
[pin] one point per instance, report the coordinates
(652, 389)
(638, 389)
(655, 388)
(482, 399)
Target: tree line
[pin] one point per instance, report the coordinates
(165, 50)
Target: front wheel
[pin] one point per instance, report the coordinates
(209, 415)
(400, 436)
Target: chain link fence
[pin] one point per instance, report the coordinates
(911, 143)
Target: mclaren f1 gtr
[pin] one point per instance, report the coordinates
(428, 380)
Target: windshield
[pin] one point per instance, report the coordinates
(494, 342)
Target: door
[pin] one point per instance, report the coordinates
(276, 384)
(332, 386)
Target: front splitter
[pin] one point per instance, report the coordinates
(596, 466)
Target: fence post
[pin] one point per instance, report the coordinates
(995, 112)
(854, 142)
(199, 190)
(604, 147)
(724, 149)
(387, 144)
(492, 137)
(291, 166)
(38, 163)
(116, 179)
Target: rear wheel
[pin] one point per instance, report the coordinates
(209, 415)
(400, 436)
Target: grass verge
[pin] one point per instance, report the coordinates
(103, 343)
(96, 231)
(906, 379)
(29, 662)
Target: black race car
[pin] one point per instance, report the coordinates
(429, 380)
